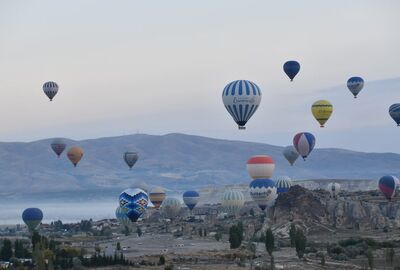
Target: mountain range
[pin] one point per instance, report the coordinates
(175, 161)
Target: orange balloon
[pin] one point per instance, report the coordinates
(75, 154)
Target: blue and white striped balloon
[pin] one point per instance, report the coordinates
(241, 98)
(264, 192)
(191, 198)
(283, 184)
(394, 112)
(355, 85)
(232, 201)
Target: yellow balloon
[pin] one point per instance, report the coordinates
(75, 154)
(322, 110)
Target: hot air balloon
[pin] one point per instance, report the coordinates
(283, 184)
(133, 202)
(58, 146)
(32, 217)
(130, 158)
(394, 112)
(263, 192)
(232, 201)
(191, 198)
(241, 98)
(171, 207)
(387, 185)
(75, 154)
(290, 153)
(50, 89)
(304, 143)
(261, 166)
(355, 85)
(157, 196)
(334, 189)
(322, 110)
(122, 218)
(291, 68)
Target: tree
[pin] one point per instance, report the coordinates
(252, 247)
(218, 236)
(269, 245)
(35, 239)
(251, 212)
(323, 259)
(235, 238)
(370, 257)
(6, 251)
(118, 246)
(139, 231)
(390, 256)
(161, 261)
(292, 235)
(19, 251)
(300, 243)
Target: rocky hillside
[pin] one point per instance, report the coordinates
(363, 210)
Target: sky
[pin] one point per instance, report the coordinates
(159, 67)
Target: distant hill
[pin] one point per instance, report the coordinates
(175, 161)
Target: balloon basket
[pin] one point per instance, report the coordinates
(242, 128)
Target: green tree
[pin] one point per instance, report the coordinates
(389, 256)
(269, 245)
(6, 250)
(300, 243)
(235, 238)
(292, 235)
(323, 259)
(35, 239)
(218, 236)
(19, 251)
(161, 261)
(139, 231)
(370, 257)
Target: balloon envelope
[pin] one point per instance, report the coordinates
(394, 111)
(131, 158)
(232, 201)
(322, 110)
(291, 68)
(75, 154)
(260, 166)
(355, 85)
(334, 190)
(50, 89)
(263, 192)
(387, 185)
(58, 145)
(171, 207)
(32, 217)
(304, 143)
(241, 99)
(133, 201)
(283, 184)
(290, 153)
(157, 196)
(191, 198)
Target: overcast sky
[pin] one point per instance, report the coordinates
(160, 66)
